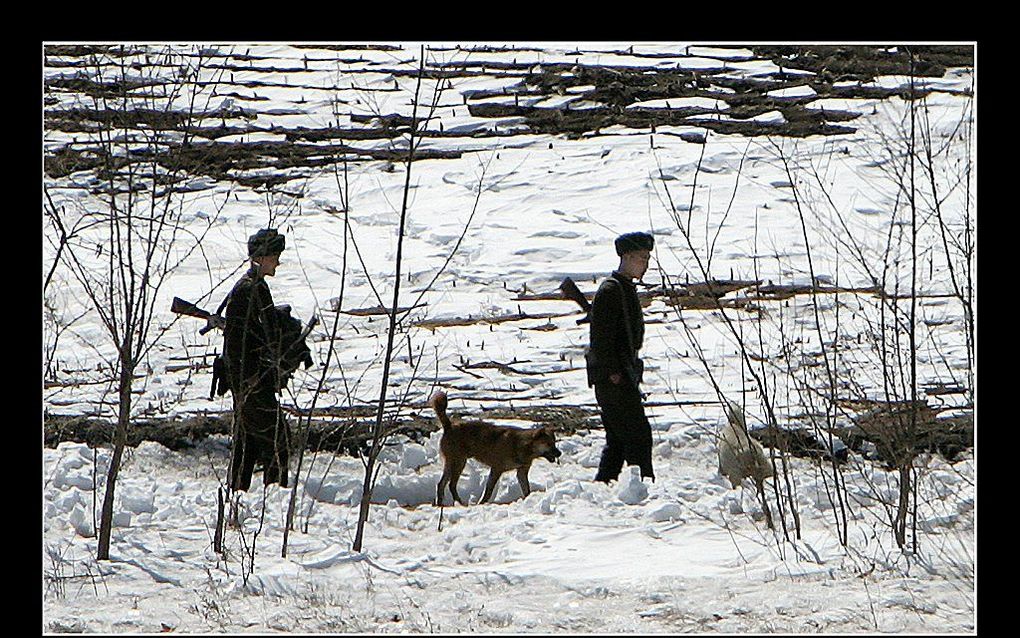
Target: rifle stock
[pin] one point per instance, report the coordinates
(182, 307)
(572, 292)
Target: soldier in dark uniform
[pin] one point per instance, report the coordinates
(261, 433)
(617, 329)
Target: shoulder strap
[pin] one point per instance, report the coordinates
(226, 299)
(626, 315)
(223, 304)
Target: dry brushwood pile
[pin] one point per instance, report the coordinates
(600, 97)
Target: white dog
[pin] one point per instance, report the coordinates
(740, 456)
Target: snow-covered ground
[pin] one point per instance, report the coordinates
(683, 554)
(686, 553)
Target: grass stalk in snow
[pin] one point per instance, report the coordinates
(249, 545)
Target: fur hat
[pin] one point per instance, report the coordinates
(265, 242)
(630, 242)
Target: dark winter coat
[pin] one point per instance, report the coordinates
(251, 337)
(252, 330)
(617, 330)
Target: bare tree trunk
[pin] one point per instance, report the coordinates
(906, 476)
(902, 506)
(119, 442)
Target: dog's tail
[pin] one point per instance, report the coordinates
(438, 403)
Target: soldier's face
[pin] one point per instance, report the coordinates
(635, 263)
(267, 264)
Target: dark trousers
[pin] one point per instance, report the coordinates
(628, 434)
(261, 435)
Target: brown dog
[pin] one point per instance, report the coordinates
(500, 447)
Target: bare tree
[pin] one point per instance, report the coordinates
(702, 261)
(302, 438)
(130, 237)
(929, 206)
(377, 438)
(383, 428)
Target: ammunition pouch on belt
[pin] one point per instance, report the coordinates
(219, 377)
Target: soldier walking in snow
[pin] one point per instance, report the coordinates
(617, 329)
(251, 353)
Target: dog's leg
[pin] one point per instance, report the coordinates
(456, 467)
(441, 486)
(522, 478)
(490, 485)
(760, 488)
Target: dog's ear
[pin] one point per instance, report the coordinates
(544, 432)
